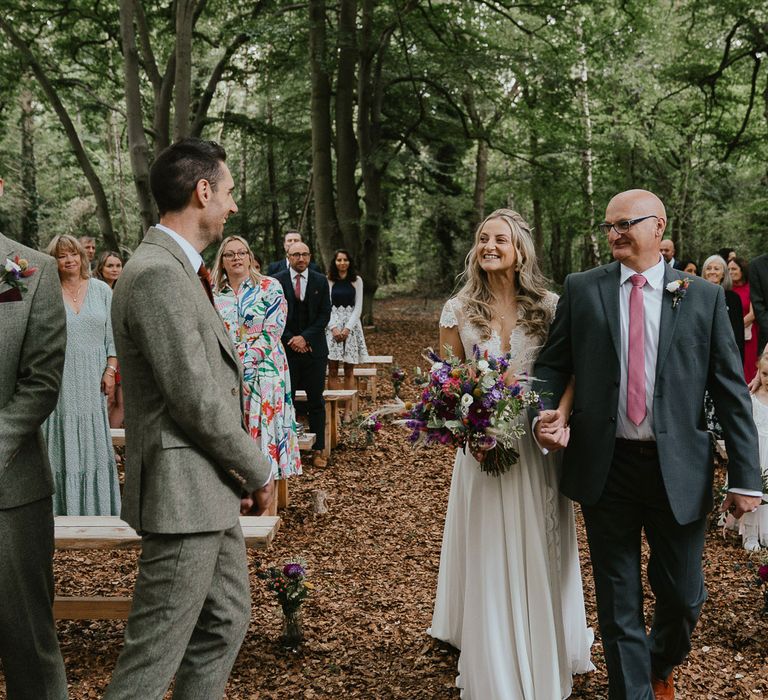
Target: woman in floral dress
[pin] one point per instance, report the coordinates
(254, 311)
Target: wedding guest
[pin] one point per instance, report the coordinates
(109, 267)
(254, 312)
(256, 263)
(738, 269)
(522, 630)
(715, 270)
(667, 249)
(284, 264)
(690, 267)
(77, 432)
(309, 310)
(344, 334)
(753, 527)
(637, 459)
(89, 246)
(190, 462)
(33, 340)
(758, 290)
(727, 253)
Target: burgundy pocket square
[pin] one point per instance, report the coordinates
(12, 294)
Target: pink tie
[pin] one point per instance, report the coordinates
(636, 355)
(297, 288)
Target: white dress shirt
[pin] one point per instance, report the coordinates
(653, 293)
(304, 276)
(195, 259)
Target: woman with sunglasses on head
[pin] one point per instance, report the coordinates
(254, 310)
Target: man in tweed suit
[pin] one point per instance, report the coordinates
(32, 342)
(190, 459)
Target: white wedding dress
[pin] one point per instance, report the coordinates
(509, 592)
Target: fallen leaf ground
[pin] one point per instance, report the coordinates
(373, 559)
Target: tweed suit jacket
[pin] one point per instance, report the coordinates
(33, 337)
(696, 352)
(189, 456)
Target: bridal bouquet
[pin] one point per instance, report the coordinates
(470, 405)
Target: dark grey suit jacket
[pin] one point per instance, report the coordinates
(189, 455)
(696, 351)
(758, 290)
(33, 336)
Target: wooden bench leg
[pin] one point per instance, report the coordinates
(334, 423)
(329, 418)
(282, 493)
(374, 388)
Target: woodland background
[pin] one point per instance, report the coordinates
(391, 127)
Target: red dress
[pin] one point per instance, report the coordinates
(750, 346)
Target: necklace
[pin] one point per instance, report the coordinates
(77, 291)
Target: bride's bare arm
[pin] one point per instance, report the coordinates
(450, 337)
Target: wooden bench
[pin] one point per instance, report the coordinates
(109, 532)
(332, 399)
(367, 376)
(379, 360)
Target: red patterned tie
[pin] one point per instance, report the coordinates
(297, 288)
(636, 409)
(205, 280)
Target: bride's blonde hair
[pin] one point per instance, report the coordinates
(476, 297)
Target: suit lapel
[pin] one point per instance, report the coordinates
(608, 286)
(668, 321)
(165, 241)
(6, 251)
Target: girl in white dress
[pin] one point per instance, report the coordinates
(753, 527)
(509, 589)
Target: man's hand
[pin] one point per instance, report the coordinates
(246, 504)
(740, 504)
(262, 498)
(298, 344)
(551, 430)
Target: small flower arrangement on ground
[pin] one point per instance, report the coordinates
(15, 271)
(291, 588)
(420, 378)
(470, 405)
(398, 377)
(363, 431)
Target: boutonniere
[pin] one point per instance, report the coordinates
(15, 271)
(678, 288)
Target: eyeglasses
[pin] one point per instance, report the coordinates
(299, 255)
(623, 226)
(229, 255)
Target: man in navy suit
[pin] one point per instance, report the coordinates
(284, 264)
(309, 310)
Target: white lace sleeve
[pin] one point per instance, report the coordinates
(550, 305)
(448, 316)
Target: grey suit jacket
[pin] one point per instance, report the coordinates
(188, 454)
(696, 351)
(33, 337)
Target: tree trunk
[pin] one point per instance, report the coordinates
(274, 211)
(30, 234)
(326, 224)
(536, 189)
(348, 206)
(102, 205)
(185, 14)
(591, 247)
(138, 147)
(369, 101)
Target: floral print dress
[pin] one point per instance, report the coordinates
(255, 318)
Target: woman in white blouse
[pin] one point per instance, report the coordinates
(346, 342)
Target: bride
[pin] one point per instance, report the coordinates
(509, 590)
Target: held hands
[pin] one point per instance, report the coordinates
(298, 344)
(551, 430)
(738, 504)
(259, 501)
(108, 385)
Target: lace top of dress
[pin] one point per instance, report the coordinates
(523, 348)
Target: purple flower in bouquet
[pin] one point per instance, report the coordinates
(293, 570)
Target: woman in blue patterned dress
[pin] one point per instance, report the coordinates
(254, 311)
(77, 432)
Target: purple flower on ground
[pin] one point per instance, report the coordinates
(762, 572)
(293, 570)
